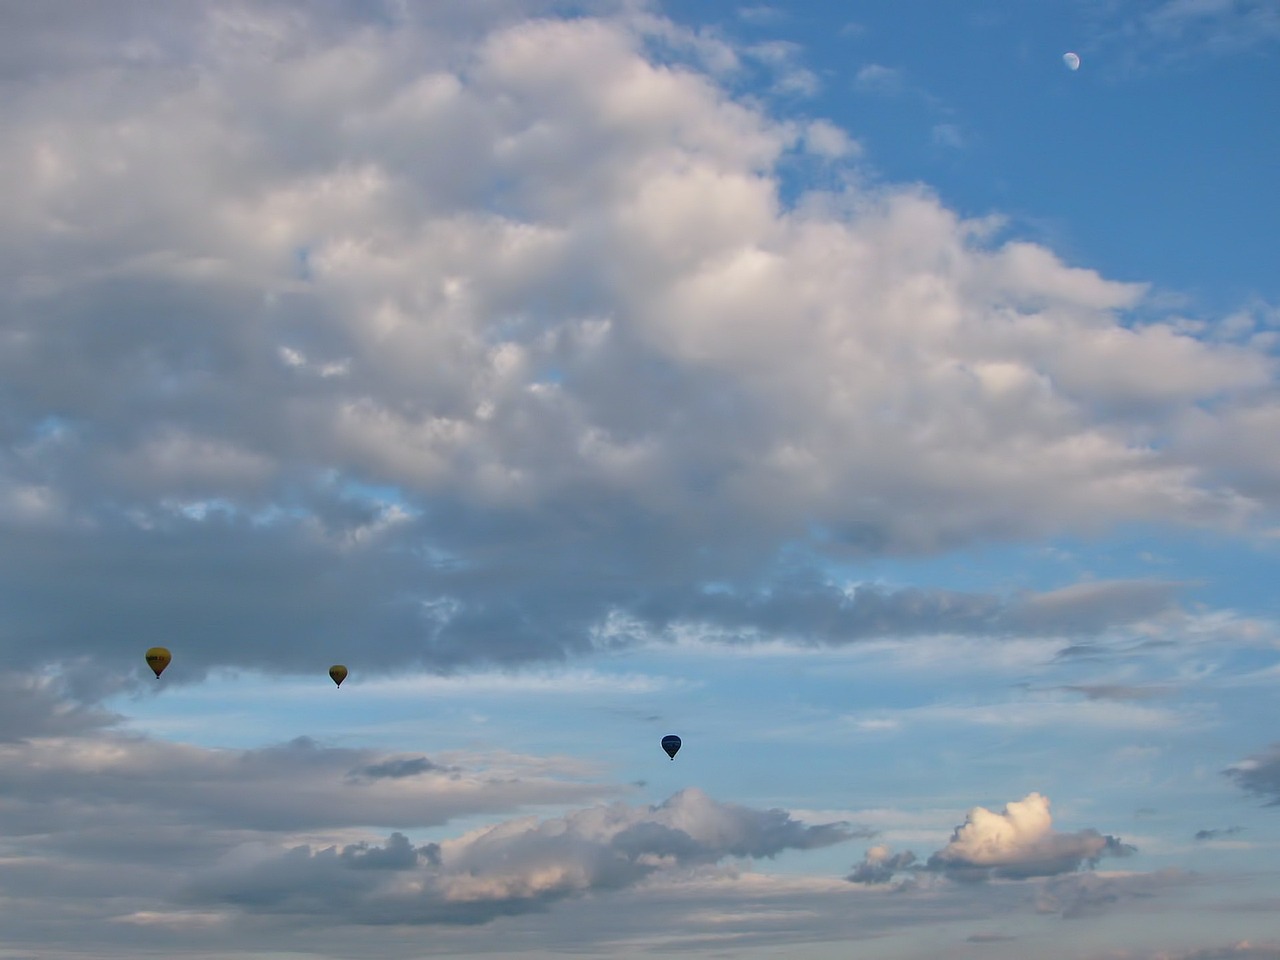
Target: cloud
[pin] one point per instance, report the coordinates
(1087, 895)
(397, 769)
(1217, 834)
(1259, 774)
(1016, 844)
(109, 835)
(877, 77)
(108, 789)
(1214, 24)
(782, 58)
(947, 135)
(1020, 842)
(1158, 33)
(761, 14)
(428, 373)
(510, 868)
(35, 706)
(1118, 691)
(1241, 950)
(283, 829)
(807, 606)
(880, 865)
(826, 140)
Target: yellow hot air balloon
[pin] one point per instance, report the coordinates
(157, 659)
(338, 673)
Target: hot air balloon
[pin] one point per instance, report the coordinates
(157, 659)
(671, 744)
(338, 673)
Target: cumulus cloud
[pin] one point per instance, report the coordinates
(314, 332)
(1020, 842)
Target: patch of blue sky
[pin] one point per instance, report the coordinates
(51, 428)
(363, 491)
(302, 269)
(1218, 570)
(1082, 161)
(551, 375)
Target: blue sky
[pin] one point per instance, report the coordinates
(860, 394)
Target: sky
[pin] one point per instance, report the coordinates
(853, 390)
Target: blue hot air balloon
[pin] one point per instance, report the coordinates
(671, 744)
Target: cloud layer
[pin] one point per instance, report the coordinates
(510, 868)
(314, 296)
(283, 831)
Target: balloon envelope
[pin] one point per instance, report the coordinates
(671, 744)
(338, 673)
(157, 659)
(1071, 60)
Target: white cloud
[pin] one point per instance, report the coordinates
(878, 77)
(825, 139)
(782, 57)
(948, 135)
(761, 14)
(637, 370)
(1020, 842)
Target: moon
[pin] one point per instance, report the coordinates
(1071, 60)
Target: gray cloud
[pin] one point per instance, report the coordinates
(880, 865)
(132, 841)
(397, 769)
(1218, 834)
(1086, 895)
(37, 706)
(1259, 774)
(1118, 691)
(95, 809)
(1242, 950)
(117, 789)
(508, 869)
